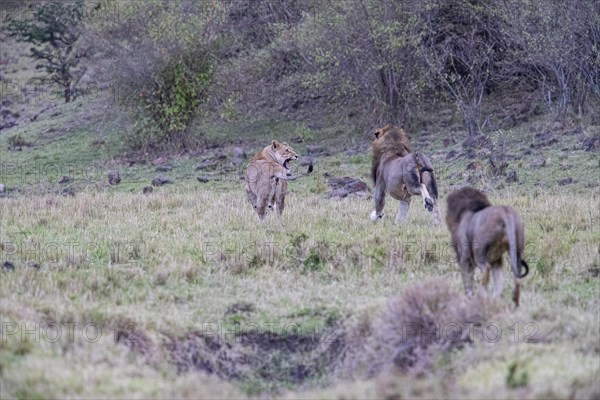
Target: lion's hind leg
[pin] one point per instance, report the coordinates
(380, 190)
(498, 275)
(251, 196)
(467, 272)
(280, 197)
(415, 187)
(402, 211)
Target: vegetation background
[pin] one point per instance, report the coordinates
(126, 127)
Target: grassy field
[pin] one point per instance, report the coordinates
(181, 293)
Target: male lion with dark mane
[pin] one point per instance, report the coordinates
(267, 175)
(401, 173)
(481, 233)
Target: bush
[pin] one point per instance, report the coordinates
(161, 66)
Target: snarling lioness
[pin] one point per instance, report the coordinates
(481, 233)
(267, 175)
(401, 173)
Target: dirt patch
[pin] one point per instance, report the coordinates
(256, 356)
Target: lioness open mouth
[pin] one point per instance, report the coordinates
(286, 164)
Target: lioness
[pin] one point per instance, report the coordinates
(401, 173)
(481, 233)
(267, 175)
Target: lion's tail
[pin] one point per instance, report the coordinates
(425, 166)
(515, 262)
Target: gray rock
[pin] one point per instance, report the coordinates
(203, 179)
(343, 186)
(566, 181)
(339, 194)
(65, 179)
(316, 150)
(2, 187)
(161, 180)
(306, 161)
(147, 189)
(8, 265)
(114, 178)
(67, 192)
(238, 152)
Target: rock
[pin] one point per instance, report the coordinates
(338, 182)
(316, 150)
(114, 178)
(147, 189)
(511, 176)
(345, 185)
(161, 180)
(65, 179)
(241, 307)
(2, 187)
(356, 186)
(203, 179)
(67, 192)
(475, 166)
(539, 163)
(306, 161)
(8, 265)
(159, 161)
(527, 152)
(164, 168)
(566, 181)
(338, 194)
(238, 152)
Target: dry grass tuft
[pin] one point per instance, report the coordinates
(427, 318)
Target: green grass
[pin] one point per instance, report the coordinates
(190, 258)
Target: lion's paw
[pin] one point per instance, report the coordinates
(374, 216)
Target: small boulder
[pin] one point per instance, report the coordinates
(338, 194)
(342, 186)
(147, 189)
(203, 179)
(161, 180)
(114, 178)
(68, 192)
(316, 150)
(238, 152)
(65, 179)
(159, 161)
(566, 181)
(2, 187)
(8, 265)
(306, 161)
